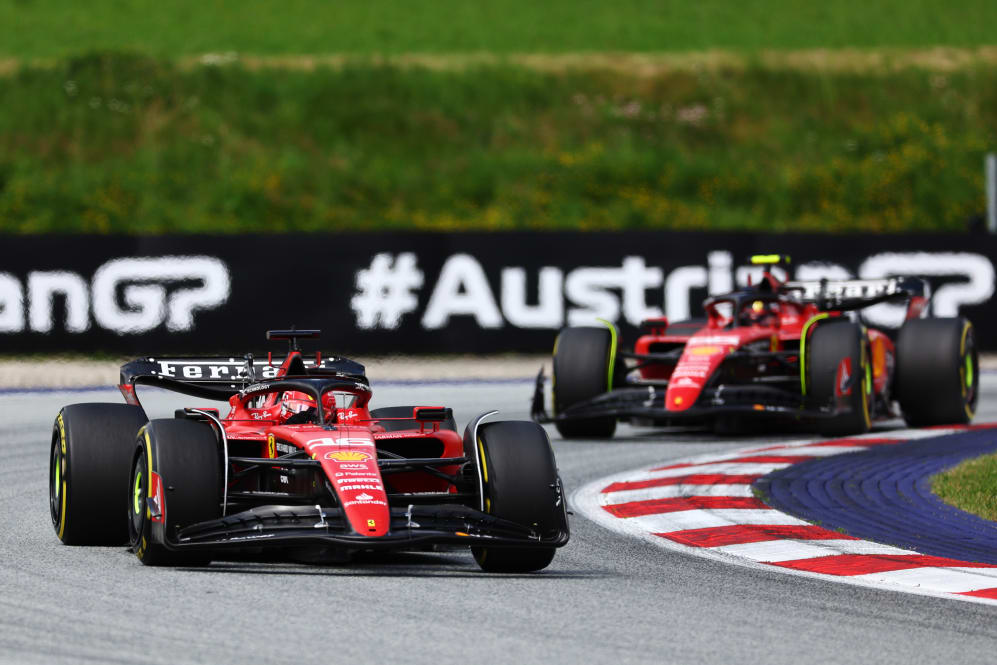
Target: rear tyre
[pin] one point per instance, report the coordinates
(938, 371)
(91, 449)
(582, 358)
(840, 375)
(520, 485)
(408, 422)
(185, 456)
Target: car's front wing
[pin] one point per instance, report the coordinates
(648, 402)
(295, 526)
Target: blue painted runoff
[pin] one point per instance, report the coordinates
(884, 494)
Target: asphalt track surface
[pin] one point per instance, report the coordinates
(606, 597)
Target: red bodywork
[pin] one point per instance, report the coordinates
(347, 453)
(778, 326)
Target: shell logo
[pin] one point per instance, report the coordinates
(348, 456)
(706, 350)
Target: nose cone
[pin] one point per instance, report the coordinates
(355, 476)
(697, 364)
(349, 459)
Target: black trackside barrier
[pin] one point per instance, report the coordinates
(379, 293)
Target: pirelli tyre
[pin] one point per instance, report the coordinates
(584, 367)
(938, 371)
(406, 422)
(521, 485)
(840, 376)
(178, 464)
(91, 450)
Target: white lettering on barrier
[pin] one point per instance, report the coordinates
(42, 287)
(462, 289)
(11, 304)
(975, 273)
(549, 310)
(144, 293)
(152, 291)
(584, 294)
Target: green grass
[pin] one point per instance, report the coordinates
(56, 28)
(135, 145)
(970, 486)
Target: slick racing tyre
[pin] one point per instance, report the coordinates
(179, 461)
(520, 485)
(584, 360)
(408, 422)
(92, 446)
(938, 371)
(840, 376)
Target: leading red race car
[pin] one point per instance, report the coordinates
(775, 350)
(298, 463)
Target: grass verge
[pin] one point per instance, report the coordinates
(130, 144)
(970, 486)
(59, 28)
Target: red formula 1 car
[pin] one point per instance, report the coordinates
(298, 463)
(775, 350)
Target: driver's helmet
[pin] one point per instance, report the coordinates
(759, 313)
(293, 402)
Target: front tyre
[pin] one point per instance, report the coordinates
(938, 371)
(584, 367)
(177, 462)
(520, 485)
(840, 376)
(89, 458)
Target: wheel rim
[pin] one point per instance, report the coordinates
(136, 515)
(137, 493)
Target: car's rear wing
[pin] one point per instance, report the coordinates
(852, 294)
(219, 378)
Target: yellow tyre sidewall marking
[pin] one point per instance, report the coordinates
(962, 352)
(484, 473)
(148, 482)
(553, 378)
(63, 461)
(864, 381)
(143, 542)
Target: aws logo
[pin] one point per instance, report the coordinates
(348, 456)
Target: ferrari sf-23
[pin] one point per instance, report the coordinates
(298, 463)
(777, 350)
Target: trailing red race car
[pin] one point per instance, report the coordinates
(298, 463)
(775, 350)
